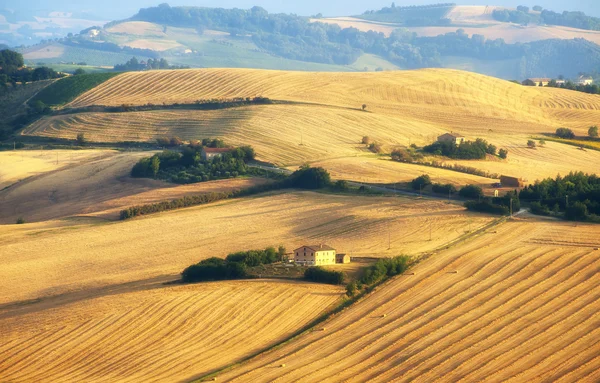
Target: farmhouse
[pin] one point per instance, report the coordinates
(537, 81)
(210, 153)
(585, 80)
(315, 255)
(512, 181)
(456, 139)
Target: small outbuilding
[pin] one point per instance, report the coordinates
(210, 153)
(342, 258)
(514, 182)
(454, 138)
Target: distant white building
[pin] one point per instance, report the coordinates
(585, 80)
(454, 138)
(210, 153)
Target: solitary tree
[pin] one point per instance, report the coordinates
(81, 139)
(364, 106)
(593, 131)
(503, 153)
(531, 144)
(542, 142)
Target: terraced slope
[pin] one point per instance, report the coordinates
(520, 304)
(166, 334)
(42, 259)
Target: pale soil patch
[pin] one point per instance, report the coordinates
(99, 186)
(138, 28)
(41, 261)
(517, 304)
(21, 164)
(47, 52)
(155, 45)
(164, 334)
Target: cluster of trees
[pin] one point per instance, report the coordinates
(467, 150)
(295, 37)
(568, 19)
(496, 205)
(379, 272)
(134, 65)
(414, 15)
(565, 133)
(234, 266)
(575, 196)
(188, 166)
(321, 275)
(12, 70)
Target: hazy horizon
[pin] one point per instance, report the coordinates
(112, 9)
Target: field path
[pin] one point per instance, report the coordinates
(477, 312)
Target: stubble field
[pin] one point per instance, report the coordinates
(157, 335)
(517, 304)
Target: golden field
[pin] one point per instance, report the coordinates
(519, 303)
(56, 257)
(155, 335)
(89, 183)
(16, 166)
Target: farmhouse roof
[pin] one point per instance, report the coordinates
(318, 248)
(216, 150)
(453, 135)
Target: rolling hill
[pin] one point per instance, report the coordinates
(321, 117)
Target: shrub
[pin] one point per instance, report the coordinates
(577, 211)
(503, 153)
(444, 189)
(375, 147)
(542, 142)
(20, 221)
(421, 182)
(341, 185)
(531, 144)
(366, 140)
(321, 275)
(214, 269)
(593, 131)
(471, 191)
(565, 133)
(351, 289)
(163, 141)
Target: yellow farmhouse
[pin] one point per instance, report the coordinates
(315, 255)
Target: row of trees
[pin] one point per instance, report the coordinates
(467, 150)
(568, 19)
(569, 134)
(321, 275)
(134, 65)
(414, 15)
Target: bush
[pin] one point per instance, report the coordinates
(81, 141)
(214, 269)
(531, 144)
(593, 131)
(444, 189)
(321, 275)
(351, 288)
(471, 191)
(565, 133)
(577, 211)
(366, 140)
(20, 221)
(341, 186)
(309, 178)
(420, 182)
(503, 153)
(375, 148)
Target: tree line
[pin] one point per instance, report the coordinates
(466, 150)
(134, 64)
(523, 16)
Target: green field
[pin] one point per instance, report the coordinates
(91, 57)
(68, 88)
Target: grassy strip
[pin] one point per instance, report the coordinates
(69, 88)
(587, 144)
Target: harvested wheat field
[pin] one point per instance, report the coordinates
(157, 335)
(137, 28)
(98, 186)
(518, 304)
(42, 260)
(385, 171)
(16, 166)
